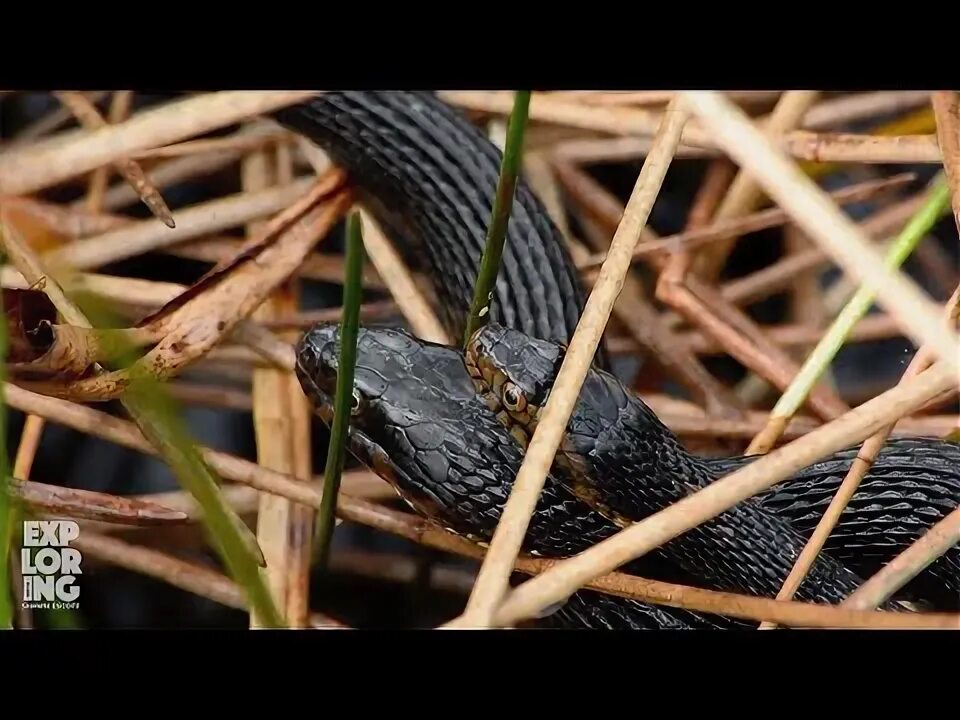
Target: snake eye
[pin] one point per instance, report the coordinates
(355, 403)
(513, 398)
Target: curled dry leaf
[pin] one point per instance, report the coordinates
(89, 505)
(194, 322)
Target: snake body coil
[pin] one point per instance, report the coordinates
(429, 177)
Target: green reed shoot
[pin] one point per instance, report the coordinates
(502, 205)
(346, 363)
(158, 416)
(938, 202)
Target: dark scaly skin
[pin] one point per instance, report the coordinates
(429, 175)
(430, 178)
(420, 425)
(617, 449)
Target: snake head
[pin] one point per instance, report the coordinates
(415, 421)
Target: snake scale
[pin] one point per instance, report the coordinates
(426, 421)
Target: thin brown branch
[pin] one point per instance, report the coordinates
(197, 324)
(823, 221)
(508, 537)
(239, 142)
(817, 147)
(637, 314)
(188, 576)
(745, 193)
(47, 124)
(398, 280)
(703, 306)
(120, 105)
(642, 537)
(47, 163)
(351, 507)
(147, 235)
(871, 327)
(861, 106)
(132, 172)
(858, 470)
(68, 502)
(702, 234)
(908, 564)
(171, 172)
(946, 108)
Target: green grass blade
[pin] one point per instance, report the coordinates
(349, 329)
(502, 205)
(7, 507)
(819, 360)
(158, 416)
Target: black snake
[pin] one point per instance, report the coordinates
(429, 176)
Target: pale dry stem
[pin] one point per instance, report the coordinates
(822, 220)
(946, 108)
(745, 192)
(508, 537)
(642, 537)
(71, 154)
(88, 115)
(864, 460)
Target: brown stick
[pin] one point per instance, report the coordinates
(821, 219)
(494, 573)
(642, 537)
(188, 576)
(47, 163)
(638, 315)
(88, 115)
(858, 470)
(946, 108)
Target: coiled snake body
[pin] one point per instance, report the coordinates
(429, 177)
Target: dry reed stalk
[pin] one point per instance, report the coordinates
(327, 268)
(492, 579)
(56, 501)
(418, 530)
(762, 283)
(946, 108)
(848, 488)
(174, 171)
(47, 163)
(861, 106)
(191, 326)
(130, 170)
(745, 193)
(816, 147)
(637, 314)
(47, 124)
(700, 234)
(120, 105)
(270, 419)
(690, 422)
(193, 578)
(22, 465)
(821, 219)
(71, 221)
(705, 308)
(400, 283)
(238, 142)
(642, 537)
(147, 235)
(801, 334)
(588, 151)
(850, 148)
(798, 614)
